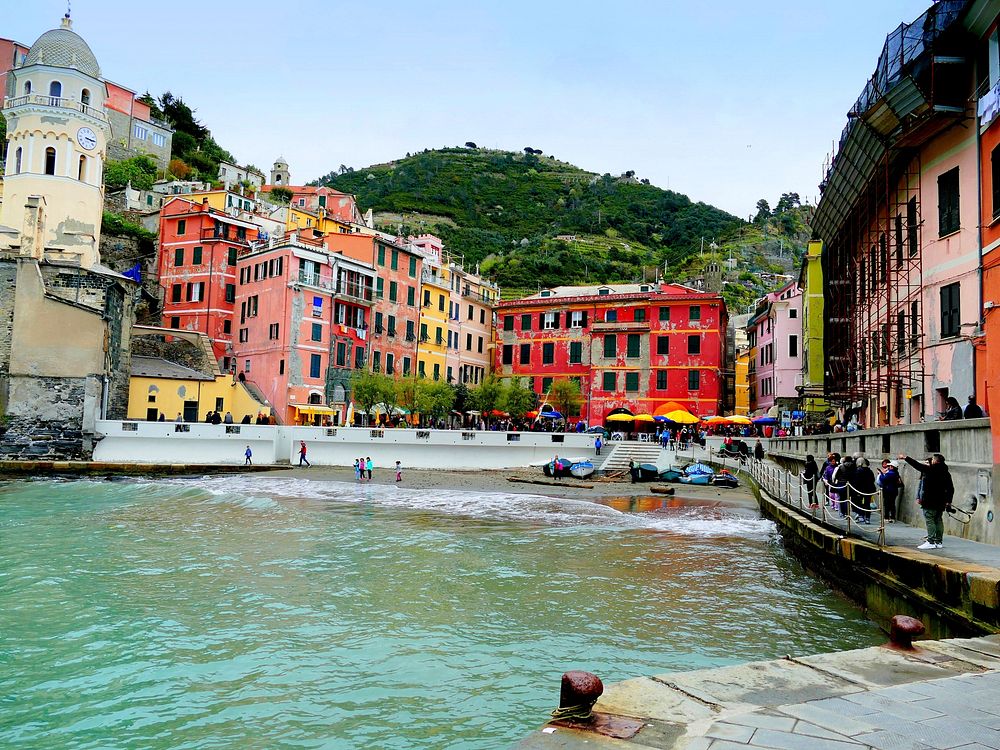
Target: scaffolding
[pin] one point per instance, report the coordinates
(870, 219)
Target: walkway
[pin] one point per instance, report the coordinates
(946, 694)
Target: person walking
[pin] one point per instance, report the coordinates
(555, 467)
(864, 489)
(891, 483)
(810, 475)
(249, 457)
(758, 451)
(973, 410)
(633, 471)
(842, 477)
(357, 470)
(368, 467)
(302, 454)
(938, 492)
(598, 444)
(399, 472)
(830, 492)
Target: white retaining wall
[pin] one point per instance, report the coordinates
(162, 443)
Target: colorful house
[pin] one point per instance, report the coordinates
(775, 335)
(199, 249)
(471, 324)
(813, 376)
(303, 325)
(629, 346)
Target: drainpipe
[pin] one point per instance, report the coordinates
(980, 318)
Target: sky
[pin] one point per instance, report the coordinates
(728, 101)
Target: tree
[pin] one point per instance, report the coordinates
(763, 212)
(564, 394)
(517, 398)
(281, 195)
(179, 169)
(139, 170)
(787, 202)
(468, 144)
(486, 396)
(154, 106)
(439, 398)
(369, 389)
(461, 397)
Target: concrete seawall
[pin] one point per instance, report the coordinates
(174, 443)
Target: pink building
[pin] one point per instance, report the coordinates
(775, 334)
(302, 327)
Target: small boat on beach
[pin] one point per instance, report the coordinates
(648, 472)
(582, 469)
(701, 479)
(670, 475)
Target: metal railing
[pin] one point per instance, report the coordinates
(355, 291)
(56, 101)
(314, 279)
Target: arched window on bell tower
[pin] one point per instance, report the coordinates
(50, 160)
(85, 96)
(17, 161)
(55, 90)
(82, 174)
(27, 87)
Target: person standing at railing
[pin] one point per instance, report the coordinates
(758, 451)
(938, 492)
(841, 480)
(829, 469)
(891, 483)
(810, 474)
(864, 489)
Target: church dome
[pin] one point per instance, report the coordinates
(63, 48)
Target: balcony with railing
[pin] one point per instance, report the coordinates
(223, 234)
(612, 326)
(355, 292)
(429, 277)
(58, 102)
(315, 280)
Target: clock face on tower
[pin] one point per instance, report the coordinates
(86, 138)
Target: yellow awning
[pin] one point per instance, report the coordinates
(314, 409)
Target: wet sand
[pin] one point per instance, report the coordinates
(611, 492)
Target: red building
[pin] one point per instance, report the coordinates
(303, 326)
(396, 315)
(632, 346)
(199, 249)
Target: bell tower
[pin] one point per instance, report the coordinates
(57, 133)
(279, 173)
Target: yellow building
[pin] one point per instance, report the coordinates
(743, 382)
(161, 387)
(222, 200)
(811, 282)
(299, 219)
(432, 341)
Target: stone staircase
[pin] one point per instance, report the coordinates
(622, 452)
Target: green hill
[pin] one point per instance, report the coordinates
(508, 211)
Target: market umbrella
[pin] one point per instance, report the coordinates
(531, 414)
(765, 420)
(551, 414)
(682, 417)
(738, 419)
(497, 413)
(644, 418)
(619, 418)
(715, 419)
(667, 408)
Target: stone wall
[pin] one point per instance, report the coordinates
(122, 252)
(966, 445)
(50, 423)
(8, 277)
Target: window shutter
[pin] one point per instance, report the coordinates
(555, 324)
(541, 321)
(584, 324)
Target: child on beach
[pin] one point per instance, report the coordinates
(357, 471)
(399, 472)
(249, 456)
(368, 467)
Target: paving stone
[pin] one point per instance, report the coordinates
(771, 738)
(903, 694)
(821, 717)
(939, 738)
(646, 698)
(880, 667)
(968, 731)
(892, 741)
(725, 731)
(913, 712)
(763, 721)
(841, 707)
(974, 746)
(698, 743)
(963, 707)
(804, 727)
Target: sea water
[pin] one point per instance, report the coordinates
(261, 612)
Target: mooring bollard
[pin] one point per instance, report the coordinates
(577, 696)
(903, 629)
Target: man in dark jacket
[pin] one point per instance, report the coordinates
(973, 410)
(758, 451)
(810, 474)
(938, 493)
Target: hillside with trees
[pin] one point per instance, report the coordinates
(530, 218)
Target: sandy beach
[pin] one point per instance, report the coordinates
(611, 491)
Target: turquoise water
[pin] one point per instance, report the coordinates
(256, 612)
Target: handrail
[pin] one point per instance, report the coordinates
(56, 101)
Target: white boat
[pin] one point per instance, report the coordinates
(582, 469)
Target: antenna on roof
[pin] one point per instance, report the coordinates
(68, 8)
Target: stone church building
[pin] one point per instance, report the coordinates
(65, 319)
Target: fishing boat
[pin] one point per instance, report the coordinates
(696, 479)
(557, 468)
(725, 479)
(582, 469)
(648, 472)
(670, 475)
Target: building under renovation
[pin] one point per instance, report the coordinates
(899, 219)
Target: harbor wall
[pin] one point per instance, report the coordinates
(172, 443)
(967, 446)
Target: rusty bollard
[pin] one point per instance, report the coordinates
(577, 696)
(903, 629)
